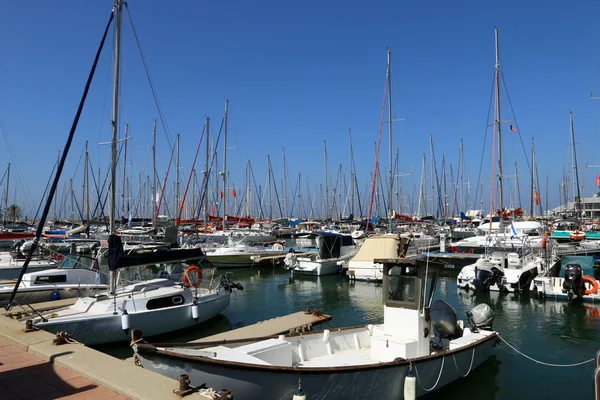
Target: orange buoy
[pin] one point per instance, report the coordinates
(577, 235)
(593, 282)
(193, 270)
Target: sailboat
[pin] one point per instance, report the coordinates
(420, 347)
(507, 266)
(158, 305)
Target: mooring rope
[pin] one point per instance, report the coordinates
(438, 378)
(542, 362)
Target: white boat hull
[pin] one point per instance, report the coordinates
(380, 380)
(106, 327)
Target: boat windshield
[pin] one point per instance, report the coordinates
(75, 261)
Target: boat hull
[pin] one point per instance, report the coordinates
(107, 328)
(381, 381)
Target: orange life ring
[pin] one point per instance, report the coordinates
(57, 257)
(186, 276)
(593, 282)
(544, 240)
(577, 235)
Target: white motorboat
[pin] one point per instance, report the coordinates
(502, 270)
(569, 283)
(76, 276)
(241, 254)
(332, 250)
(420, 347)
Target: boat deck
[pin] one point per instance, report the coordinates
(343, 358)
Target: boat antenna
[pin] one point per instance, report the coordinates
(51, 193)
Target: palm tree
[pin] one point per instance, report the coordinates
(14, 212)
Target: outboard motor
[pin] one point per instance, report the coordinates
(229, 284)
(481, 317)
(573, 283)
(484, 278)
(444, 321)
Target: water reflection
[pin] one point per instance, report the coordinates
(550, 331)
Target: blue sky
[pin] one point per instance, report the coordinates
(300, 73)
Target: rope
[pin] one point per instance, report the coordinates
(438, 378)
(541, 362)
(470, 366)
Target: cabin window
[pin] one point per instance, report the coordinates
(402, 290)
(164, 302)
(50, 279)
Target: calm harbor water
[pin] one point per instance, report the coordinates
(549, 331)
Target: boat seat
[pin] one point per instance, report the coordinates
(272, 351)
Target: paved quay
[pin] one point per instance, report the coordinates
(33, 368)
(25, 376)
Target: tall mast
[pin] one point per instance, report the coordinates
(498, 125)
(7, 191)
(326, 181)
(576, 177)
(269, 185)
(115, 114)
(177, 196)
(154, 174)
(123, 189)
(285, 193)
(531, 205)
(85, 192)
(205, 180)
(351, 173)
(225, 164)
(115, 125)
(391, 179)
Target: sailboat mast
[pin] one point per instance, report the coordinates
(154, 174)
(115, 125)
(498, 125)
(115, 114)
(326, 181)
(576, 177)
(124, 171)
(7, 191)
(391, 178)
(205, 180)
(532, 181)
(225, 163)
(85, 192)
(177, 195)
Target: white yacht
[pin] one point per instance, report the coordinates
(332, 250)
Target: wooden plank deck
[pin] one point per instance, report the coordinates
(301, 321)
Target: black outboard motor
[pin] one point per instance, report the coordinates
(484, 278)
(573, 283)
(445, 323)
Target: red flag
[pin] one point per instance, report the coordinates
(513, 129)
(212, 208)
(536, 196)
(598, 180)
(232, 191)
(221, 194)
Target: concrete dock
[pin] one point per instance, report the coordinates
(32, 367)
(297, 322)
